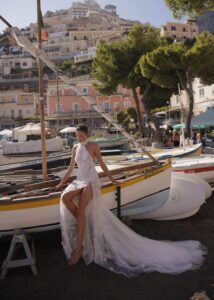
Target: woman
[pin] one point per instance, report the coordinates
(90, 230)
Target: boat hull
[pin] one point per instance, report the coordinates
(193, 151)
(187, 194)
(202, 167)
(44, 210)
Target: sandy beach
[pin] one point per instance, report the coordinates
(56, 280)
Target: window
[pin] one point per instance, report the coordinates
(75, 107)
(201, 92)
(116, 106)
(84, 90)
(184, 29)
(20, 113)
(106, 106)
(28, 112)
(91, 107)
(173, 28)
(127, 103)
(59, 108)
(24, 64)
(12, 114)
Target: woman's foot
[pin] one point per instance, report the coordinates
(75, 257)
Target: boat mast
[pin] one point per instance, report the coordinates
(41, 94)
(182, 116)
(24, 42)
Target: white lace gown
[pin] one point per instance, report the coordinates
(110, 243)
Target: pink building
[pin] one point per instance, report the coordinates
(68, 105)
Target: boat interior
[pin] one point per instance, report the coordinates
(45, 190)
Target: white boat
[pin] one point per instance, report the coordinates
(184, 198)
(200, 166)
(143, 196)
(33, 146)
(188, 151)
(41, 208)
(20, 143)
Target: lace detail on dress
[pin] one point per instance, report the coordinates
(111, 244)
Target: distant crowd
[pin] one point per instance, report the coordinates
(175, 138)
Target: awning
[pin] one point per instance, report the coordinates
(204, 120)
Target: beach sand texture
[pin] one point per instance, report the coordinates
(56, 280)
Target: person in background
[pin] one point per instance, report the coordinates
(198, 137)
(176, 138)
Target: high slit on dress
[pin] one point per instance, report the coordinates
(110, 243)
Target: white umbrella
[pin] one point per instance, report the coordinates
(68, 130)
(28, 129)
(6, 132)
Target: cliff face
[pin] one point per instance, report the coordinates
(206, 22)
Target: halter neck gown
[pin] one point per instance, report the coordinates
(110, 243)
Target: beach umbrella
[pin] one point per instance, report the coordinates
(28, 129)
(178, 126)
(6, 132)
(68, 130)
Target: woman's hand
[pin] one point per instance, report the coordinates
(58, 187)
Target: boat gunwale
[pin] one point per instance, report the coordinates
(45, 200)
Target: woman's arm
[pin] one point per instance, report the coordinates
(103, 165)
(69, 170)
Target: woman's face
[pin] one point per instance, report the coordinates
(81, 136)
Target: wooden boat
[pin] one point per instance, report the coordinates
(54, 159)
(37, 207)
(184, 198)
(200, 166)
(189, 151)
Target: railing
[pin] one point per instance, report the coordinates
(77, 113)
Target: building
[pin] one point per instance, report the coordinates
(68, 109)
(85, 55)
(179, 31)
(18, 104)
(69, 44)
(81, 10)
(16, 63)
(203, 99)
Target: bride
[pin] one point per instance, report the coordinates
(91, 231)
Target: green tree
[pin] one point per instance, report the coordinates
(181, 63)
(121, 116)
(190, 7)
(117, 63)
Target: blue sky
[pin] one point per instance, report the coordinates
(22, 12)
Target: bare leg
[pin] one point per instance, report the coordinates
(67, 200)
(85, 198)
